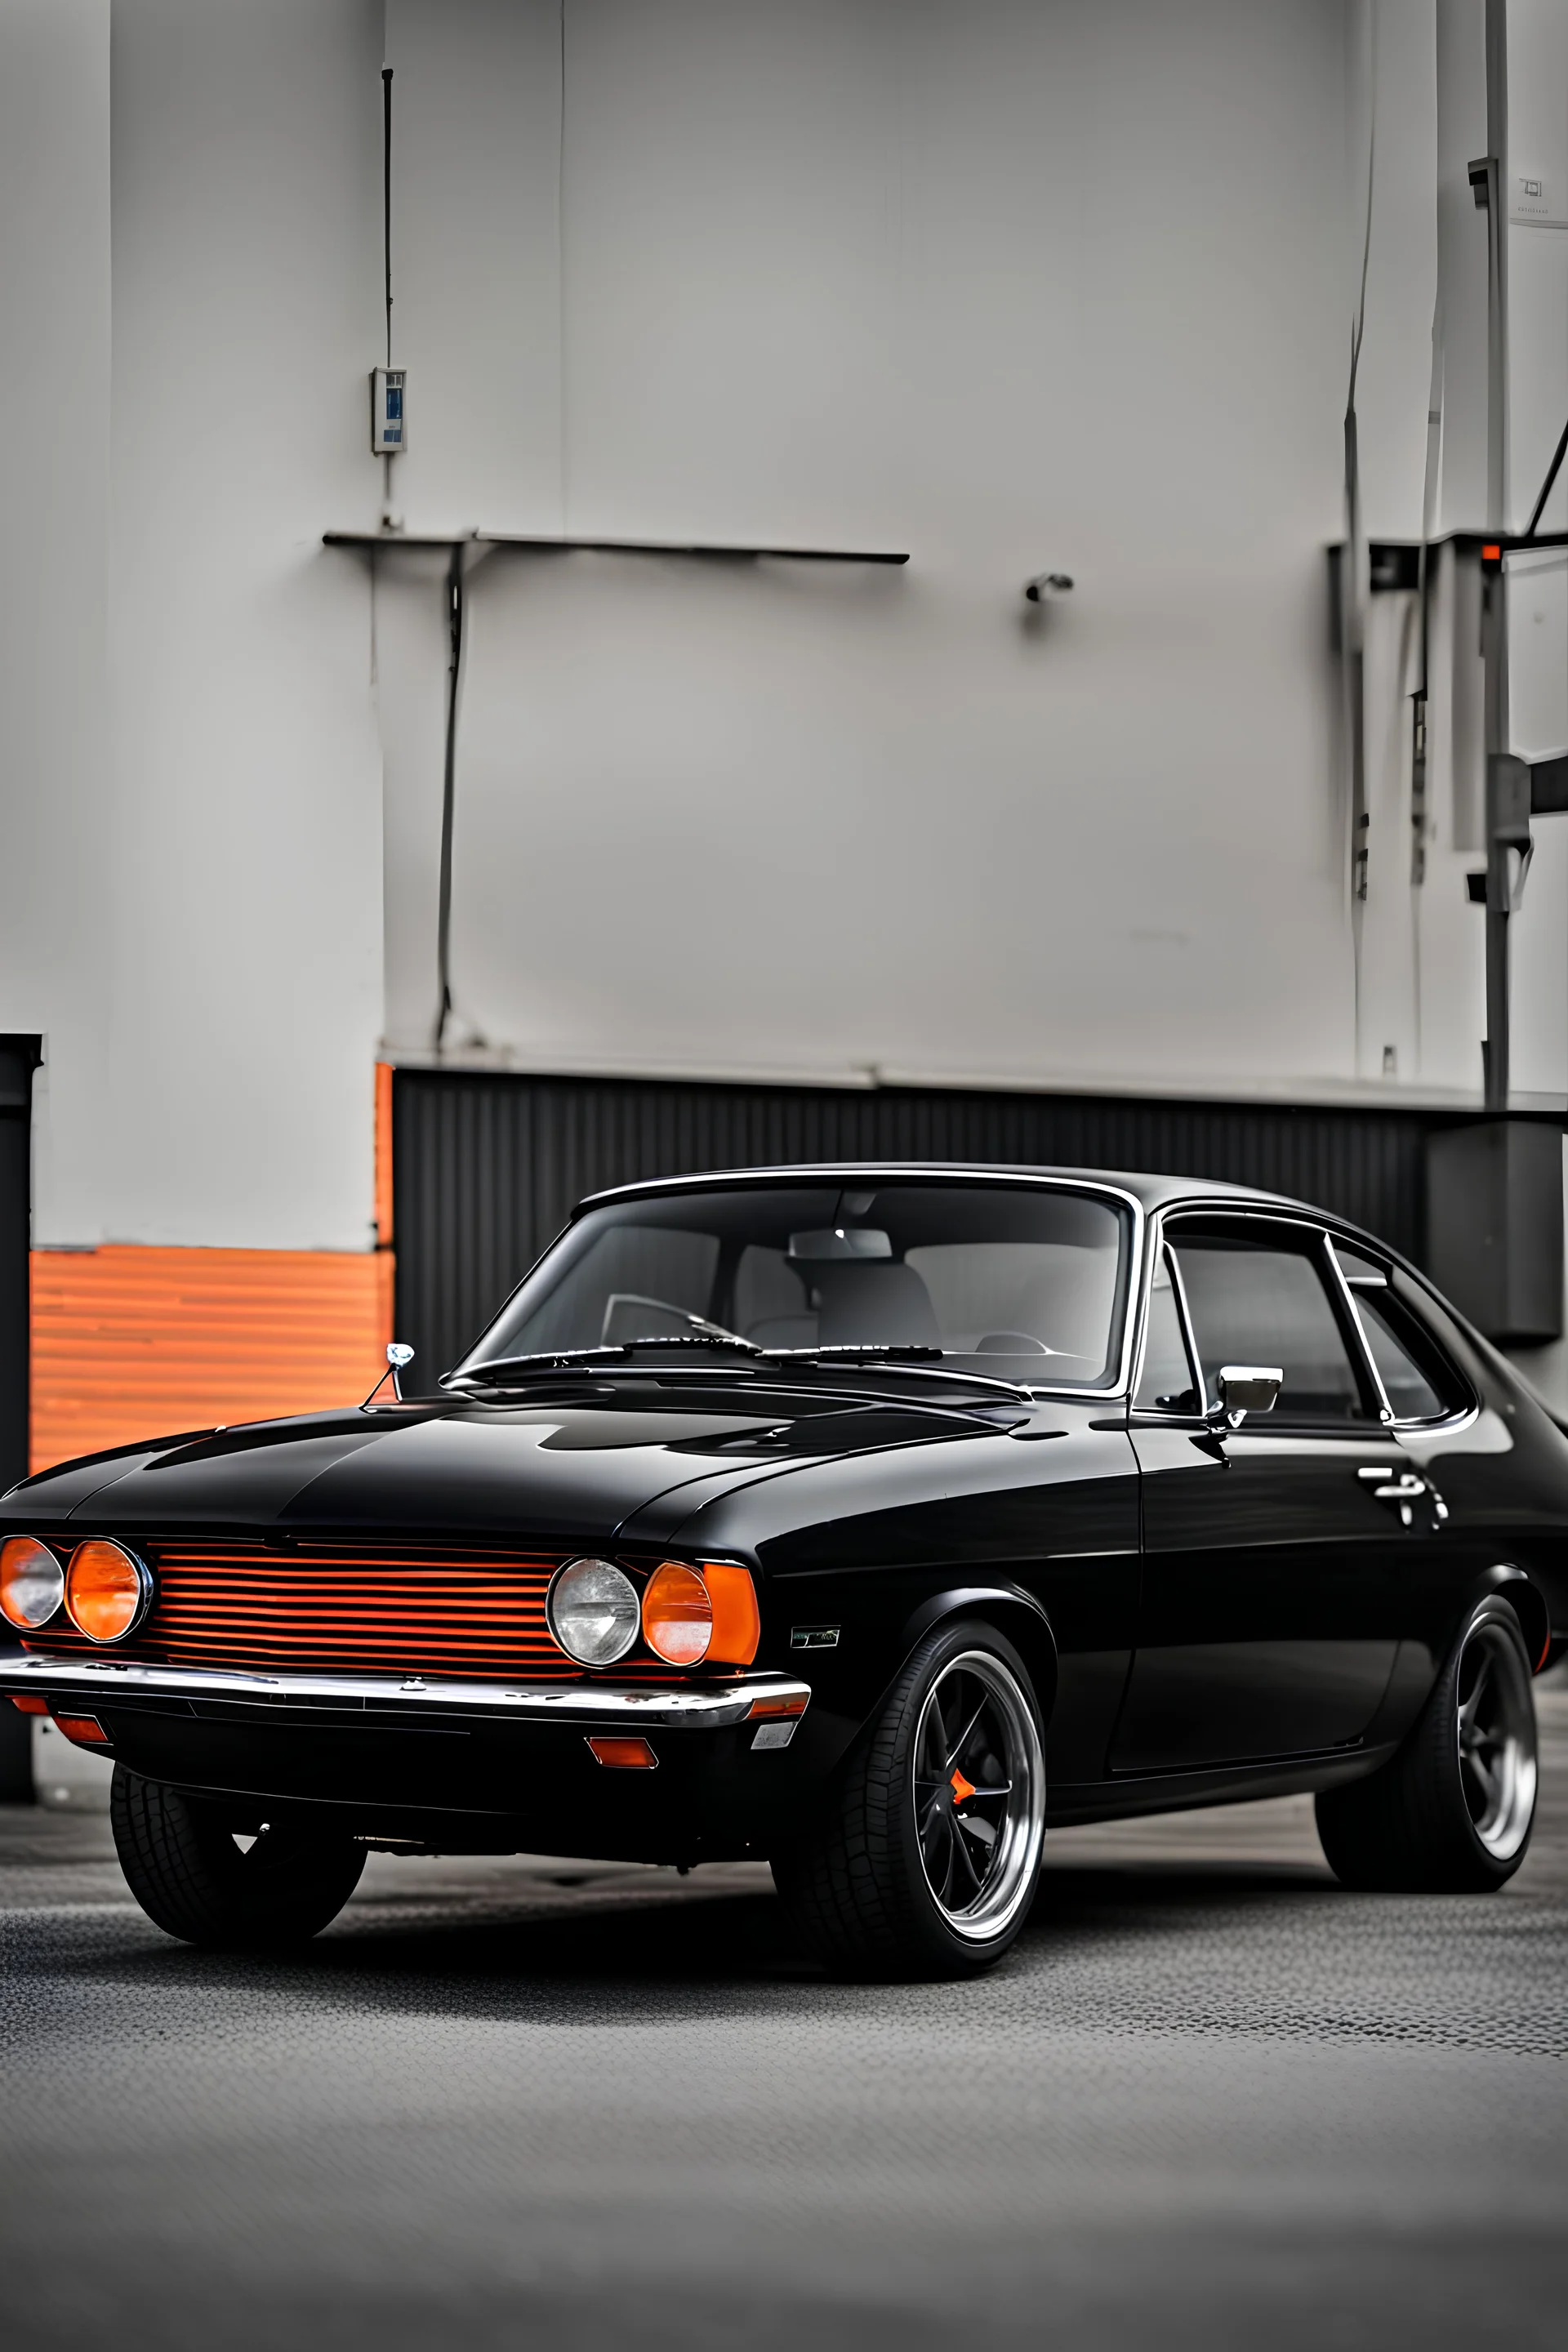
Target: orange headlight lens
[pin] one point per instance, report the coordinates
(690, 1615)
(32, 1582)
(677, 1615)
(107, 1590)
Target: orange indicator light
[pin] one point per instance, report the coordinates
(28, 1705)
(630, 1755)
(787, 1703)
(85, 1729)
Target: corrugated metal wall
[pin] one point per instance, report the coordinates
(487, 1167)
(133, 1341)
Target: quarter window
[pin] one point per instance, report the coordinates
(1267, 1303)
(1397, 1349)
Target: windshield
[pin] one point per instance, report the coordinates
(1019, 1283)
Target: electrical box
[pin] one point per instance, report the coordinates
(1494, 1226)
(388, 411)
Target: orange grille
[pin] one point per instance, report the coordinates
(329, 1608)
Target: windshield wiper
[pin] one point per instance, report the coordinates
(610, 1352)
(925, 1363)
(922, 1363)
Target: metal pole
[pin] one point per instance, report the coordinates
(1502, 812)
(1498, 810)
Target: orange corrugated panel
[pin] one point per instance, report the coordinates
(384, 1155)
(131, 1341)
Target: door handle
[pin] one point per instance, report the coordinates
(1402, 1490)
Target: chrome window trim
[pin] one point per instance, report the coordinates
(1459, 1415)
(1219, 1204)
(1348, 1302)
(1151, 1413)
(1262, 1214)
(1112, 1391)
(709, 1709)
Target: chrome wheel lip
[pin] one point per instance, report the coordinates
(1009, 1884)
(1494, 1739)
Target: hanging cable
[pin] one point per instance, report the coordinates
(1419, 698)
(455, 601)
(386, 195)
(562, 426)
(1354, 590)
(386, 519)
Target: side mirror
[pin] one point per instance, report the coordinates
(1248, 1388)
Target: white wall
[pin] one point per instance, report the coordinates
(191, 876)
(246, 999)
(54, 543)
(1025, 285)
(1017, 286)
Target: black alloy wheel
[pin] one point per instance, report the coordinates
(1452, 1812)
(197, 1879)
(925, 1861)
(974, 1826)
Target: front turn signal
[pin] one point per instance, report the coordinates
(737, 1623)
(702, 1616)
(624, 1755)
(85, 1729)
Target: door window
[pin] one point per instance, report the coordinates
(1266, 1302)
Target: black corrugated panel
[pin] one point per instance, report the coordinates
(487, 1167)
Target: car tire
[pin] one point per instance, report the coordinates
(192, 1880)
(914, 1870)
(1451, 1812)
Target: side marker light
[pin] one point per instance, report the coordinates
(29, 1705)
(788, 1703)
(629, 1755)
(85, 1729)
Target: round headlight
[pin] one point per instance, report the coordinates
(677, 1615)
(107, 1590)
(32, 1582)
(593, 1611)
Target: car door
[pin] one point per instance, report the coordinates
(1277, 1553)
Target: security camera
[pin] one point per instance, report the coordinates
(1046, 583)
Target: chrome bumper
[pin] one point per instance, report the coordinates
(582, 1704)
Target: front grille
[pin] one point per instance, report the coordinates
(470, 1614)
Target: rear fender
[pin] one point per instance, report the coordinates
(1527, 1603)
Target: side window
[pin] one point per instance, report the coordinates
(1166, 1385)
(1418, 1383)
(1266, 1302)
(1407, 1365)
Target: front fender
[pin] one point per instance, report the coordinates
(1008, 1607)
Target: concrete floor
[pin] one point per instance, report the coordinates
(1210, 2098)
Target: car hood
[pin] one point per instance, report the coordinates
(568, 1472)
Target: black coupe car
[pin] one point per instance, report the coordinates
(870, 1520)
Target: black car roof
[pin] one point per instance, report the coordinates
(1149, 1192)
